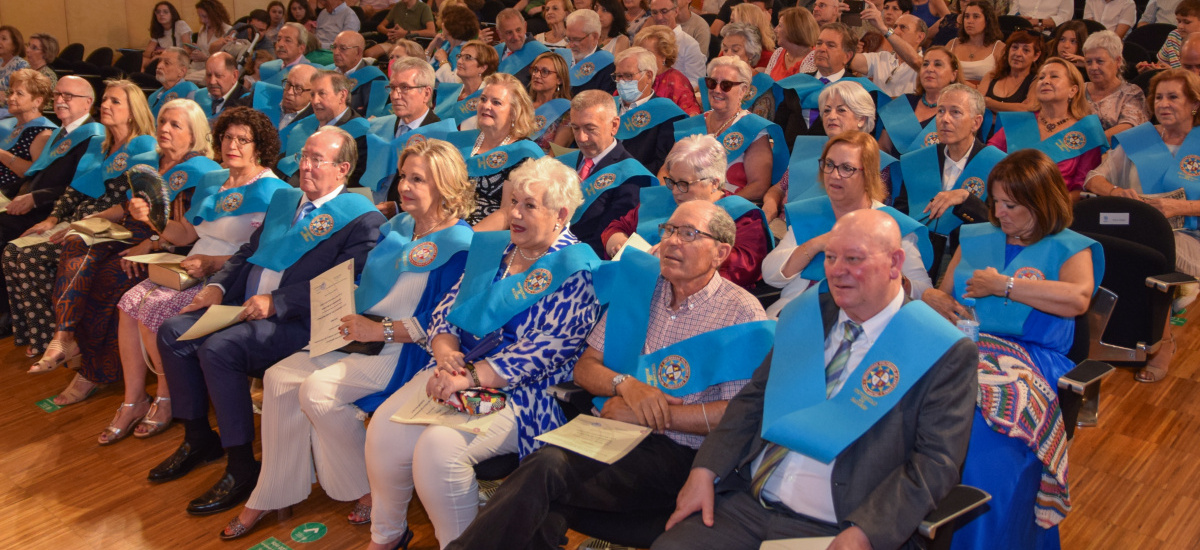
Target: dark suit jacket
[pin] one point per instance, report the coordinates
(651, 146)
(292, 299)
(602, 80)
(307, 110)
(47, 185)
(789, 115)
(239, 98)
(901, 202)
(896, 472)
(360, 142)
(392, 194)
(609, 206)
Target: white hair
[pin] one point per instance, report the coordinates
(750, 33)
(855, 97)
(745, 73)
(974, 99)
(1109, 42)
(589, 18)
(560, 184)
(703, 153)
(645, 60)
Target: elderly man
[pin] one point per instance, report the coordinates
(172, 67)
(519, 48)
(1189, 54)
(222, 89)
(369, 95)
(410, 89)
(609, 177)
(940, 177)
(296, 102)
(894, 67)
(696, 172)
(335, 18)
(289, 49)
(330, 107)
(408, 19)
(691, 61)
(269, 277)
(675, 308)
(646, 130)
(847, 429)
(593, 67)
(835, 46)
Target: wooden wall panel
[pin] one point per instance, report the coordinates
(36, 16)
(96, 23)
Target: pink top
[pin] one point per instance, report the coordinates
(1074, 170)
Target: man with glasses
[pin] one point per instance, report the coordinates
(222, 88)
(664, 368)
(410, 89)
(847, 429)
(593, 67)
(369, 96)
(646, 128)
(335, 18)
(306, 232)
(835, 47)
(288, 102)
(330, 107)
(894, 67)
(172, 68)
(691, 60)
(519, 48)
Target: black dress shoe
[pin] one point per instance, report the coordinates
(225, 495)
(185, 458)
(6, 325)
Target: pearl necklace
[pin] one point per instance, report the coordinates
(479, 143)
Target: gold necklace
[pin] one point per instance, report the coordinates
(727, 123)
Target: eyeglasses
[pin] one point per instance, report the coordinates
(238, 141)
(844, 170)
(339, 48)
(574, 40)
(466, 57)
(315, 162)
(682, 185)
(622, 77)
(402, 88)
(67, 97)
(295, 88)
(655, 13)
(538, 71)
(725, 85)
(686, 234)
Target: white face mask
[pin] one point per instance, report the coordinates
(628, 91)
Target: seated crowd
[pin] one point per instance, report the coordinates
(505, 182)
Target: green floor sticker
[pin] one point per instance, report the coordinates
(309, 532)
(1178, 321)
(271, 544)
(48, 405)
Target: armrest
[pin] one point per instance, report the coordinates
(573, 399)
(1168, 281)
(960, 500)
(1083, 375)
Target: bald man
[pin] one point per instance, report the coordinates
(844, 430)
(1189, 54)
(222, 88)
(368, 94)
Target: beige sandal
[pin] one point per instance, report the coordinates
(1154, 370)
(113, 433)
(47, 363)
(150, 428)
(79, 389)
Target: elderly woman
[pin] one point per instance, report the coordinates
(755, 149)
(758, 18)
(743, 41)
(695, 170)
(1154, 159)
(979, 44)
(669, 82)
(501, 143)
(513, 325)
(82, 268)
(555, 13)
(1119, 104)
(614, 27)
(909, 119)
(457, 101)
(26, 135)
(212, 210)
(797, 33)
(310, 422)
(1062, 125)
(41, 50)
(1029, 277)
(550, 90)
(1007, 87)
(12, 56)
(798, 261)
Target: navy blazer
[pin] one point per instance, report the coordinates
(652, 146)
(609, 206)
(393, 195)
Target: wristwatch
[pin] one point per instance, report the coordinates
(389, 332)
(616, 381)
(154, 242)
(889, 33)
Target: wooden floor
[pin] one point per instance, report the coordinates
(1135, 479)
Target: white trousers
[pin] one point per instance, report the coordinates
(311, 431)
(438, 460)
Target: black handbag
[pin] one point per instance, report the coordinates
(365, 348)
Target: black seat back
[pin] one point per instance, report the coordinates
(101, 57)
(1152, 36)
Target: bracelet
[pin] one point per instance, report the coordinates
(389, 331)
(706, 424)
(889, 34)
(474, 375)
(1008, 289)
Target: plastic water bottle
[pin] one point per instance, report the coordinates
(968, 322)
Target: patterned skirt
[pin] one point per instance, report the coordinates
(29, 276)
(152, 304)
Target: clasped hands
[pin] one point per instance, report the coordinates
(449, 376)
(638, 403)
(258, 307)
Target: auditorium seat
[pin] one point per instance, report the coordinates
(101, 57)
(1152, 36)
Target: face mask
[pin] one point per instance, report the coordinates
(628, 90)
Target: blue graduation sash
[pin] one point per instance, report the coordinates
(738, 137)
(266, 100)
(91, 183)
(548, 114)
(923, 179)
(210, 203)
(605, 179)
(481, 307)
(808, 88)
(397, 253)
(760, 85)
(188, 174)
(646, 116)
(161, 96)
(448, 105)
(8, 129)
(1159, 170)
(272, 72)
(281, 243)
(983, 246)
(796, 413)
(1021, 132)
(805, 162)
(384, 126)
(812, 217)
(521, 58)
(90, 159)
(586, 68)
(377, 97)
(383, 150)
(657, 204)
(905, 130)
(299, 131)
(201, 97)
(498, 159)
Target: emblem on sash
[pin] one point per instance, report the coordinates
(63, 147)
(120, 161)
(733, 141)
(640, 119)
(231, 202)
(321, 225)
(602, 181)
(539, 122)
(178, 179)
(1030, 273)
(1073, 141)
(537, 281)
(586, 69)
(673, 372)
(932, 139)
(172, 96)
(470, 106)
(751, 92)
(880, 379)
(974, 186)
(422, 254)
(1190, 166)
(416, 139)
(497, 159)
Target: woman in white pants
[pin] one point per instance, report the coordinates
(310, 425)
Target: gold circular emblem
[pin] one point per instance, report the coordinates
(172, 96)
(1074, 140)
(673, 372)
(231, 202)
(471, 105)
(422, 254)
(880, 379)
(537, 281)
(603, 180)
(415, 139)
(1190, 166)
(63, 147)
(539, 122)
(975, 186)
(177, 181)
(733, 141)
(321, 225)
(497, 159)
(121, 160)
(932, 139)
(640, 119)
(586, 68)
(1030, 273)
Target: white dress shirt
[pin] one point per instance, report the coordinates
(892, 75)
(1060, 11)
(1111, 13)
(951, 168)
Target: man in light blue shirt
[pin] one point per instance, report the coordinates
(335, 18)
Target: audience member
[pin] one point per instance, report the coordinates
(835, 47)
(1189, 55)
(222, 89)
(459, 100)
(797, 32)
(692, 24)
(1044, 16)
(550, 91)
(893, 68)
(593, 67)
(637, 14)
(296, 101)
(298, 11)
(979, 44)
(691, 59)
(1119, 104)
(1159, 11)
(614, 28)
(755, 16)
(289, 51)
(742, 40)
(214, 24)
(277, 14)
(1068, 44)
(368, 93)
(909, 119)
(335, 18)
(408, 19)
(167, 30)
(29, 91)
(1117, 16)
(42, 49)
(330, 107)
(170, 72)
(12, 56)
(518, 49)
(555, 13)
(669, 82)
(410, 90)
(1006, 88)
(458, 25)
(1188, 15)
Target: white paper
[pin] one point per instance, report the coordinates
(4, 203)
(38, 238)
(634, 241)
(216, 318)
(332, 298)
(809, 543)
(424, 410)
(600, 438)
(156, 258)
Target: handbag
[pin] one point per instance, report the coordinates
(364, 348)
(101, 228)
(479, 401)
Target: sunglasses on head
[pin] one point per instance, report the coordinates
(725, 85)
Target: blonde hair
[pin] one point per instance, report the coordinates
(869, 151)
(749, 13)
(141, 122)
(1078, 106)
(664, 43)
(521, 106)
(448, 171)
(561, 183)
(197, 123)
